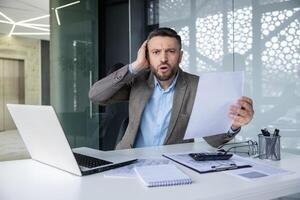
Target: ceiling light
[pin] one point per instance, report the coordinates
(12, 29)
(24, 23)
(38, 25)
(60, 7)
(33, 27)
(6, 17)
(57, 17)
(28, 33)
(6, 22)
(33, 19)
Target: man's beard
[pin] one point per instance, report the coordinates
(165, 77)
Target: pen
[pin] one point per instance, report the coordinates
(268, 140)
(276, 132)
(265, 132)
(274, 141)
(224, 167)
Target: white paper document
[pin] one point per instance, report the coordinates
(128, 170)
(258, 170)
(215, 93)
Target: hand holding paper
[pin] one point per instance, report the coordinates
(216, 92)
(241, 114)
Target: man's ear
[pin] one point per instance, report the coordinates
(180, 56)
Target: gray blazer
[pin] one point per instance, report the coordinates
(122, 85)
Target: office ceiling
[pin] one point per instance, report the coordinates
(14, 11)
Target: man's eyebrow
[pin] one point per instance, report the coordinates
(168, 49)
(155, 49)
(171, 48)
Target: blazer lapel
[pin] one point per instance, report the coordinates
(180, 89)
(146, 93)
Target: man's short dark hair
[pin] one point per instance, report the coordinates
(165, 32)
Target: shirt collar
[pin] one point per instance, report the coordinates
(156, 83)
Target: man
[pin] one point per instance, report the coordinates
(160, 95)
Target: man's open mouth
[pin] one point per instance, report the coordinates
(164, 68)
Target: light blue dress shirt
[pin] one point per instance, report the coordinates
(156, 116)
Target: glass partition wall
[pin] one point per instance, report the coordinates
(74, 67)
(260, 37)
(81, 55)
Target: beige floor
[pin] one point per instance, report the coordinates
(12, 146)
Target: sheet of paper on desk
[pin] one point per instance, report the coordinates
(128, 170)
(258, 170)
(215, 93)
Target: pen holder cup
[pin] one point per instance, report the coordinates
(269, 147)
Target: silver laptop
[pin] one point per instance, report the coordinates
(46, 142)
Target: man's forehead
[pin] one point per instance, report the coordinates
(162, 42)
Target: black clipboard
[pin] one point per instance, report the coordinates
(213, 168)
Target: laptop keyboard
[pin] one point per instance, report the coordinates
(89, 162)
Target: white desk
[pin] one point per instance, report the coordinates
(28, 179)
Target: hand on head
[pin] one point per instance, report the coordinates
(141, 61)
(241, 113)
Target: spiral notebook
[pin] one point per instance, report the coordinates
(161, 175)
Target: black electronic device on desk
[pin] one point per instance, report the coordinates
(210, 156)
